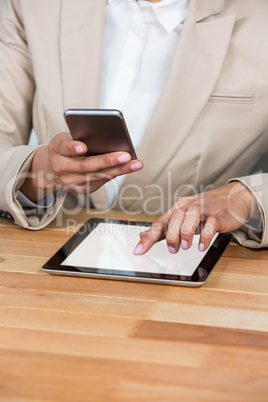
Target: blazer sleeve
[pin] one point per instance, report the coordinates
(249, 235)
(17, 89)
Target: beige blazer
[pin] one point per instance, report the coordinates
(210, 124)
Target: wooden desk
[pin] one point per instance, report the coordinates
(72, 339)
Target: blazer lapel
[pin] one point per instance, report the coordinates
(196, 66)
(206, 8)
(81, 35)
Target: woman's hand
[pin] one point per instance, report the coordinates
(61, 164)
(222, 210)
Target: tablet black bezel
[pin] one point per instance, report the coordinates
(207, 264)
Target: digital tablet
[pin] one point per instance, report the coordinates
(103, 248)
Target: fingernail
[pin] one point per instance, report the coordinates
(172, 250)
(79, 149)
(201, 247)
(138, 249)
(184, 244)
(136, 166)
(124, 158)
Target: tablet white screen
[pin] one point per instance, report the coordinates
(110, 247)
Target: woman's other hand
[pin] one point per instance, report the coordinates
(222, 210)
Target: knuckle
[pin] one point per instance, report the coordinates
(58, 170)
(145, 235)
(173, 232)
(61, 150)
(181, 200)
(208, 231)
(67, 181)
(63, 147)
(85, 165)
(100, 176)
(206, 236)
(213, 220)
(171, 239)
(180, 203)
(188, 229)
(109, 161)
(193, 209)
(51, 147)
(154, 229)
(173, 229)
(211, 224)
(107, 176)
(120, 171)
(104, 177)
(176, 214)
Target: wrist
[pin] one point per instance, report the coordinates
(39, 182)
(240, 191)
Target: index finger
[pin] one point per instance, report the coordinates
(153, 235)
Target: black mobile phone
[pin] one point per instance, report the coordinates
(102, 130)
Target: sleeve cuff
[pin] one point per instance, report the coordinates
(251, 234)
(26, 203)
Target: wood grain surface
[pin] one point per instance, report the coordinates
(78, 339)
